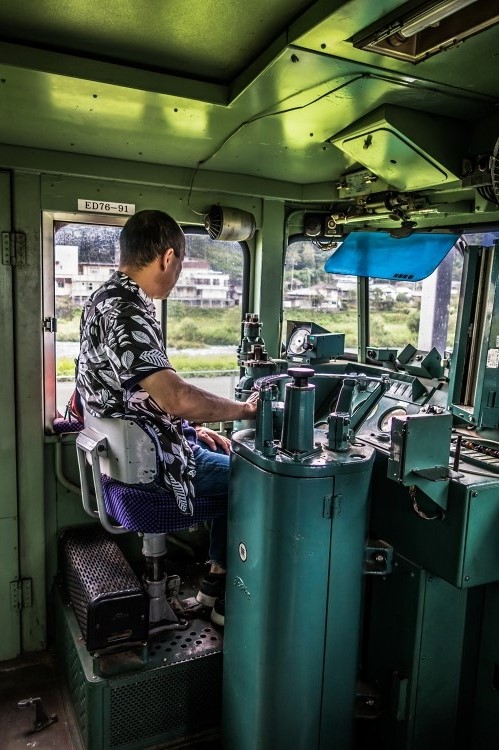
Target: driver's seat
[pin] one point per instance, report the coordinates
(125, 465)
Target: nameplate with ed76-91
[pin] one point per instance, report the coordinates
(106, 207)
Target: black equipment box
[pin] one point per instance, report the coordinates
(110, 605)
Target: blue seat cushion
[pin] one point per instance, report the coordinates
(152, 510)
(63, 426)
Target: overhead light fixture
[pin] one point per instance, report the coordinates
(414, 33)
(432, 16)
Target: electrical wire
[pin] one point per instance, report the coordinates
(261, 117)
(446, 89)
(196, 170)
(418, 85)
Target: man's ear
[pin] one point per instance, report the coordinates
(167, 258)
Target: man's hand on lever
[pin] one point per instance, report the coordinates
(182, 399)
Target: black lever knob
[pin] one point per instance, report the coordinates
(301, 376)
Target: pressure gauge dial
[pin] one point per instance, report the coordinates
(297, 343)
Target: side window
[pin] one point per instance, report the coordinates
(422, 313)
(204, 313)
(85, 255)
(311, 294)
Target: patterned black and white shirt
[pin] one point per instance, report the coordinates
(121, 342)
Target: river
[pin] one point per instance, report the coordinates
(71, 349)
(221, 385)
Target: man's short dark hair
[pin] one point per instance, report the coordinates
(148, 234)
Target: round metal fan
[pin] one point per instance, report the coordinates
(225, 223)
(491, 192)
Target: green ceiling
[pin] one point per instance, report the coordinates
(245, 87)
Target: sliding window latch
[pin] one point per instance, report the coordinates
(50, 325)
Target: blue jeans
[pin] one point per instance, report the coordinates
(212, 478)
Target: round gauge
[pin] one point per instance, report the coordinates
(297, 341)
(385, 421)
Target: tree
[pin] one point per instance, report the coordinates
(64, 308)
(96, 243)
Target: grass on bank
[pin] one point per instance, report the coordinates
(198, 328)
(190, 328)
(201, 366)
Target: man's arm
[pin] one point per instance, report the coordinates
(180, 398)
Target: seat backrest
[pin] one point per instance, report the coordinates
(119, 449)
(130, 454)
(123, 462)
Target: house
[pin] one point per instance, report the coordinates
(200, 286)
(78, 280)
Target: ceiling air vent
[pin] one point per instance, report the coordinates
(408, 149)
(230, 224)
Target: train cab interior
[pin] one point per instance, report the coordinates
(334, 165)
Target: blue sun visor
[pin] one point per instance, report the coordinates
(379, 255)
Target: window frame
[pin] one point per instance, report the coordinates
(49, 219)
(300, 237)
(363, 301)
(193, 229)
(245, 296)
